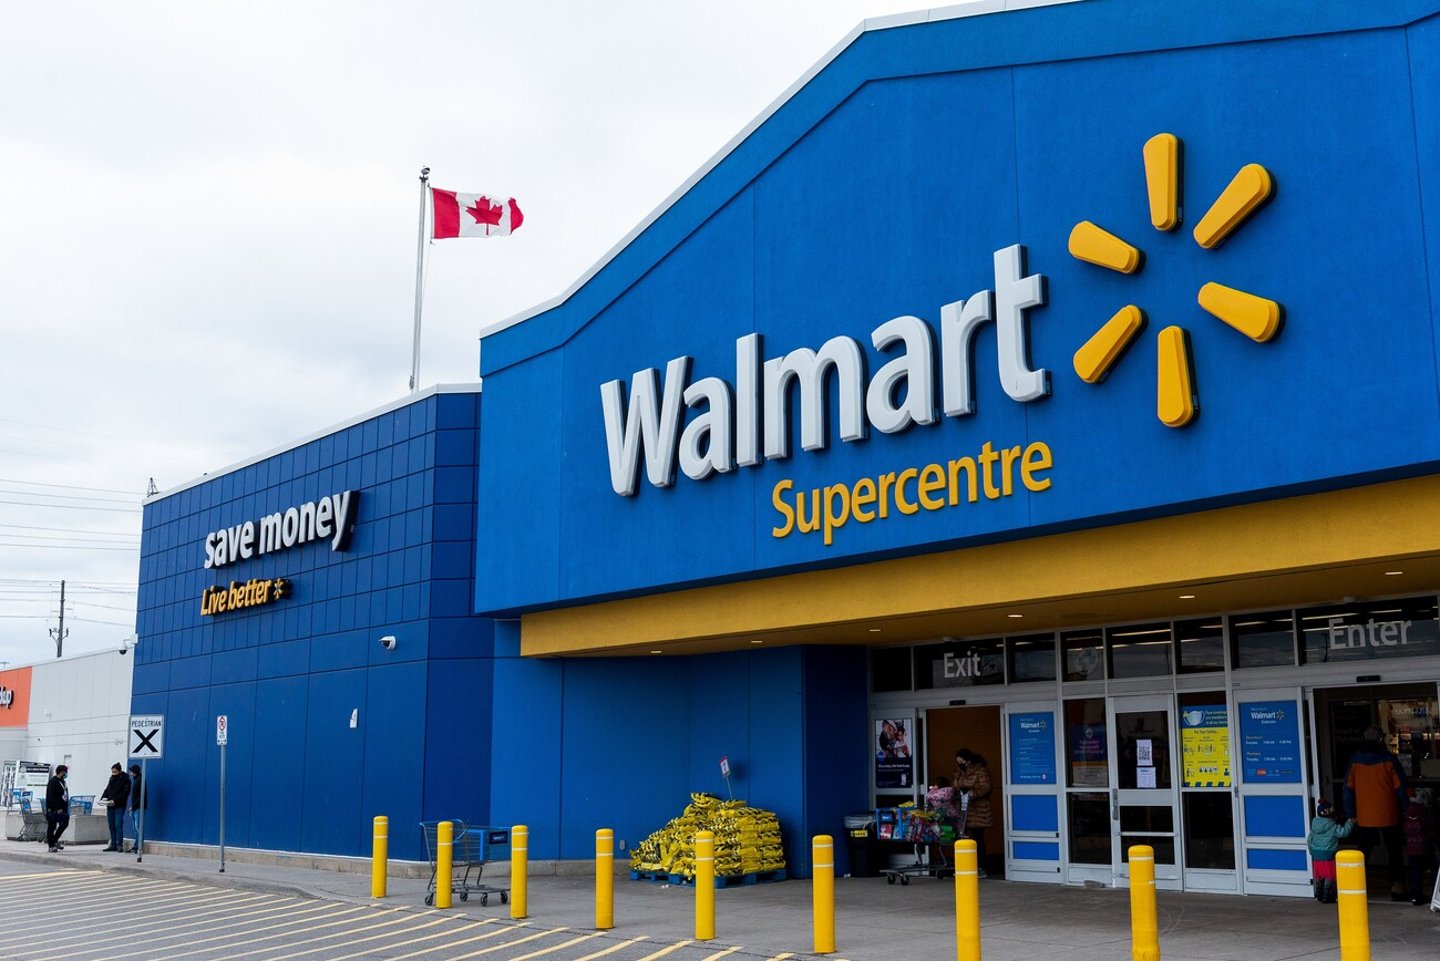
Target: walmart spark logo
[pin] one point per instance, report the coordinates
(1255, 317)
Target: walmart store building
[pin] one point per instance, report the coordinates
(1058, 382)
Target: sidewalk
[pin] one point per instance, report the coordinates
(874, 921)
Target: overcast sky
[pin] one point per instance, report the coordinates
(208, 223)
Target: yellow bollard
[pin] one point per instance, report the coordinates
(1144, 928)
(1353, 896)
(967, 901)
(705, 886)
(519, 868)
(444, 861)
(379, 856)
(604, 879)
(822, 862)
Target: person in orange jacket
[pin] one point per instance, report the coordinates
(1375, 797)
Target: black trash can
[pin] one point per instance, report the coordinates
(860, 846)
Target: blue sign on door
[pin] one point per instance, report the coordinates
(1032, 748)
(1270, 742)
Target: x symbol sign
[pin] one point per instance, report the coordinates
(145, 742)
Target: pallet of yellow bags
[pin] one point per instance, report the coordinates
(747, 845)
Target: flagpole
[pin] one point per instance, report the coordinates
(419, 282)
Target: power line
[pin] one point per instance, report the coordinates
(66, 530)
(71, 497)
(67, 547)
(78, 507)
(68, 487)
(64, 540)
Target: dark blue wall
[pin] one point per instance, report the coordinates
(290, 674)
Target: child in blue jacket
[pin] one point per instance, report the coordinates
(1324, 841)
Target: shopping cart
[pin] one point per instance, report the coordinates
(931, 832)
(471, 847)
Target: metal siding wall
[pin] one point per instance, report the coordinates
(284, 703)
(330, 813)
(454, 748)
(837, 777)
(526, 746)
(394, 746)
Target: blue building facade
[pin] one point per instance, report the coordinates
(1059, 380)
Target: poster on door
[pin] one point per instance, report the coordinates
(894, 765)
(1089, 764)
(1270, 742)
(1032, 748)
(1205, 745)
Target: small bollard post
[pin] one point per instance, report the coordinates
(444, 863)
(1353, 896)
(604, 879)
(822, 860)
(705, 886)
(1144, 927)
(519, 871)
(379, 856)
(967, 901)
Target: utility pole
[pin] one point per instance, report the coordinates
(60, 633)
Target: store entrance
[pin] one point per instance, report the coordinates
(1406, 715)
(950, 729)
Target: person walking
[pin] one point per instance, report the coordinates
(117, 799)
(1324, 840)
(1375, 796)
(972, 776)
(137, 801)
(57, 807)
(1419, 830)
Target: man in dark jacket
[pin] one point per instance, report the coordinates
(137, 801)
(1375, 797)
(117, 799)
(57, 807)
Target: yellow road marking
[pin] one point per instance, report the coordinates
(324, 910)
(428, 937)
(507, 944)
(271, 937)
(456, 944)
(721, 954)
(89, 882)
(612, 949)
(62, 904)
(664, 951)
(143, 915)
(572, 942)
(783, 955)
(373, 937)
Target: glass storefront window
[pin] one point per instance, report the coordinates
(1032, 658)
(1143, 740)
(1209, 830)
(1084, 653)
(960, 664)
(889, 669)
(1089, 816)
(1201, 645)
(1139, 650)
(1262, 640)
(1086, 746)
(1375, 631)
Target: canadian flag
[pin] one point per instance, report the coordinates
(474, 215)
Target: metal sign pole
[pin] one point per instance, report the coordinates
(222, 809)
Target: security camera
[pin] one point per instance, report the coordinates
(388, 642)
(125, 645)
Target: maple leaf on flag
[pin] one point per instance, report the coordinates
(485, 212)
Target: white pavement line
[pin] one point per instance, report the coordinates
(47, 874)
(145, 914)
(169, 932)
(400, 917)
(720, 954)
(559, 947)
(783, 955)
(613, 948)
(664, 951)
(455, 944)
(374, 937)
(508, 944)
